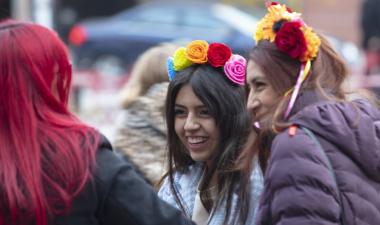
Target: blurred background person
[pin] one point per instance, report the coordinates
(54, 169)
(370, 25)
(149, 69)
(141, 134)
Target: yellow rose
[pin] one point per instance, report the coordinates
(196, 51)
(180, 61)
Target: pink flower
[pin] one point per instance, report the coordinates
(235, 69)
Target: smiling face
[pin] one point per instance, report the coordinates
(194, 125)
(262, 97)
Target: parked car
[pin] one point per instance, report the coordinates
(113, 43)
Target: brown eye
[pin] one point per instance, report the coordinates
(204, 112)
(259, 86)
(179, 112)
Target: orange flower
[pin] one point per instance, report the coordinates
(196, 51)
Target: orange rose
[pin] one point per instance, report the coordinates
(196, 51)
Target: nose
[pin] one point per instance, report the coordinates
(253, 102)
(191, 123)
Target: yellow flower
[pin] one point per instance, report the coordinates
(196, 51)
(280, 12)
(275, 13)
(313, 44)
(264, 29)
(180, 61)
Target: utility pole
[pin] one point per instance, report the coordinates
(43, 12)
(21, 9)
(38, 11)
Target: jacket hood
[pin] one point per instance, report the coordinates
(353, 127)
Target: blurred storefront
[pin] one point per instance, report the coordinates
(60, 14)
(39, 11)
(339, 18)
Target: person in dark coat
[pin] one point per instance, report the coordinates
(320, 149)
(141, 132)
(370, 27)
(53, 168)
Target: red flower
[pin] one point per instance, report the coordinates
(291, 40)
(218, 54)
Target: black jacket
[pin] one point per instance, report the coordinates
(117, 195)
(370, 23)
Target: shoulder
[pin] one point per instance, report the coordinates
(298, 183)
(188, 177)
(183, 181)
(295, 160)
(185, 185)
(110, 164)
(290, 146)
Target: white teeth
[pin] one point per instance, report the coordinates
(196, 140)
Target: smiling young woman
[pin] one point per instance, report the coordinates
(195, 127)
(208, 124)
(320, 151)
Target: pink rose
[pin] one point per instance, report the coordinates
(235, 69)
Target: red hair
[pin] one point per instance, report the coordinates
(46, 154)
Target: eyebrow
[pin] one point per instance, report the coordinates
(182, 106)
(255, 79)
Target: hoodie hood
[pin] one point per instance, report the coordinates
(353, 127)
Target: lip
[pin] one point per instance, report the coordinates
(257, 117)
(196, 147)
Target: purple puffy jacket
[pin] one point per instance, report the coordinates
(298, 186)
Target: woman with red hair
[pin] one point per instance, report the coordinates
(53, 168)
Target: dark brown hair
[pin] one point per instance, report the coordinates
(227, 104)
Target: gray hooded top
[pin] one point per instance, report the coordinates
(299, 188)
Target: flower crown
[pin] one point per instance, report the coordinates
(216, 54)
(288, 31)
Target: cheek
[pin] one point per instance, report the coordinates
(211, 128)
(178, 127)
(269, 98)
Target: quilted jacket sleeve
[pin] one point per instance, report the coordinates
(128, 199)
(298, 186)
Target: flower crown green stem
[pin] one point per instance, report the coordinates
(216, 54)
(289, 32)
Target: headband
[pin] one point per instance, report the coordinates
(216, 54)
(292, 36)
